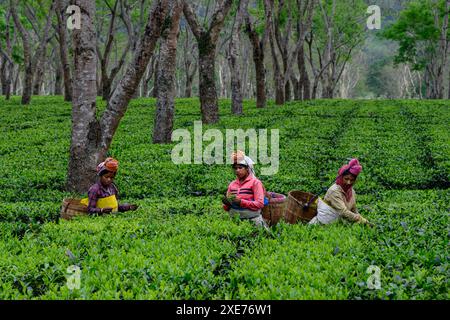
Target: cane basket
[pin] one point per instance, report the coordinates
(72, 207)
(301, 206)
(274, 211)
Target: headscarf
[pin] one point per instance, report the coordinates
(354, 168)
(110, 164)
(239, 157)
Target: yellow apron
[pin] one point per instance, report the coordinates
(110, 202)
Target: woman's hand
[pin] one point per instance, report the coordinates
(237, 201)
(361, 219)
(225, 201)
(106, 210)
(130, 207)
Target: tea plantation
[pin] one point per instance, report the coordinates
(180, 244)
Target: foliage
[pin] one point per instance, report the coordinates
(416, 32)
(180, 244)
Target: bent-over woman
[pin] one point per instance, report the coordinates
(340, 200)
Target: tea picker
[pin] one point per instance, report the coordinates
(245, 195)
(339, 201)
(102, 196)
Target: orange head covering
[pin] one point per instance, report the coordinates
(239, 157)
(110, 164)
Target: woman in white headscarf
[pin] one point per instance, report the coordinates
(245, 195)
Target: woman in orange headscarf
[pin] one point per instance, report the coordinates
(340, 200)
(103, 195)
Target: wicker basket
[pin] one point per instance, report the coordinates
(274, 211)
(73, 207)
(301, 206)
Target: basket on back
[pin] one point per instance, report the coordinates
(301, 206)
(73, 207)
(274, 211)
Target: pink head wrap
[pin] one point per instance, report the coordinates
(354, 168)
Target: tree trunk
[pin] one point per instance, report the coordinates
(207, 42)
(7, 75)
(287, 85)
(444, 47)
(189, 81)
(118, 102)
(106, 87)
(258, 60)
(279, 89)
(16, 81)
(282, 45)
(233, 60)
(304, 84)
(277, 76)
(3, 75)
(57, 90)
(91, 138)
(148, 77)
(189, 74)
(315, 86)
(162, 129)
(430, 81)
(304, 16)
(448, 93)
(26, 41)
(442, 52)
(39, 76)
(296, 88)
(155, 79)
(63, 51)
(8, 65)
(223, 81)
(31, 64)
(236, 87)
(106, 80)
(84, 149)
(287, 91)
(207, 86)
(260, 74)
(328, 89)
(8, 82)
(28, 79)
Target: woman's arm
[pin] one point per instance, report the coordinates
(92, 205)
(336, 200)
(227, 207)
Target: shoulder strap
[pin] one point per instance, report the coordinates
(115, 188)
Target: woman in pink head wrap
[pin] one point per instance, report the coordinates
(340, 200)
(347, 175)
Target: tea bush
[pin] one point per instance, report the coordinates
(180, 244)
